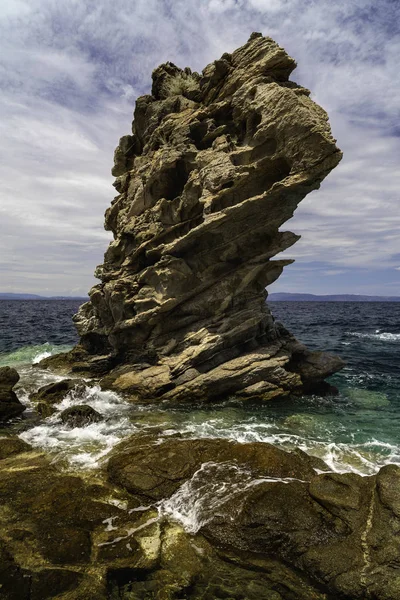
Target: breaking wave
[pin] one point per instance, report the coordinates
(212, 486)
(383, 336)
(31, 354)
(83, 447)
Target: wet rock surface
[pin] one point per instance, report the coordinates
(53, 393)
(216, 163)
(334, 533)
(155, 469)
(80, 415)
(10, 406)
(11, 445)
(250, 522)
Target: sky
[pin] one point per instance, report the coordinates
(70, 73)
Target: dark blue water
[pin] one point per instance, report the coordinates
(356, 430)
(36, 322)
(365, 334)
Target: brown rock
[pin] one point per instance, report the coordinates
(10, 446)
(280, 533)
(80, 415)
(213, 167)
(53, 393)
(328, 536)
(10, 406)
(156, 468)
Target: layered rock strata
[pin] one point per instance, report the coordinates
(216, 163)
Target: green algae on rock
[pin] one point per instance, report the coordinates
(216, 163)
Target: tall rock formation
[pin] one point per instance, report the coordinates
(214, 166)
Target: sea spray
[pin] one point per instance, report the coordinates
(84, 447)
(212, 486)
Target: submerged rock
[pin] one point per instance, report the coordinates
(216, 163)
(80, 415)
(10, 406)
(367, 398)
(54, 393)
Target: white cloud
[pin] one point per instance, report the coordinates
(70, 73)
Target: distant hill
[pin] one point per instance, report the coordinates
(19, 297)
(36, 297)
(287, 297)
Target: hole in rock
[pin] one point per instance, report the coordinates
(198, 130)
(223, 115)
(218, 122)
(170, 182)
(96, 343)
(122, 581)
(227, 185)
(247, 128)
(252, 123)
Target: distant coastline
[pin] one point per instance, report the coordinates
(37, 297)
(292, 297)
(273, 297)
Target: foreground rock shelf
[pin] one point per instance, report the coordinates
(216, 163)
(255, 522)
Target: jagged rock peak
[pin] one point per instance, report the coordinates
(216, 163)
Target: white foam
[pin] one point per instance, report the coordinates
(129, 533)
(84, 447)
(362, 458)
(203, 497)
(384, 336)
(109, 524)
(41, 356)
(199, 499)
(27, 355)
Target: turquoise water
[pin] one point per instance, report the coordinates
(357, 430)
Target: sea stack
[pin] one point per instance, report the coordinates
(216, 163)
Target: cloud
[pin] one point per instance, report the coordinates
(70, 73)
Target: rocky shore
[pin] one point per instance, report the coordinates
(203, 519)
(214, 166)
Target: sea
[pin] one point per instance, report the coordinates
(357, 430)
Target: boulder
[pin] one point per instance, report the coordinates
(54, 393)
(80, 415)
(10, 406)
(155, 468)
(215, 164)
(327, 535)
(50, 525)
